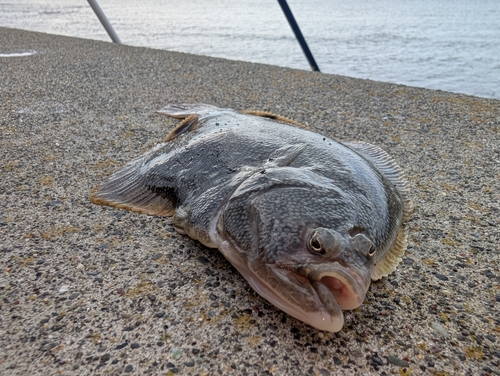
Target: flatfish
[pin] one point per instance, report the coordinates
(308, 221)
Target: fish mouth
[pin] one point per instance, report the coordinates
(346, 287)
(338, 288)
(314, 294)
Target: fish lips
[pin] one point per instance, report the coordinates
(338, 288)
(314, 293)
(346, 286)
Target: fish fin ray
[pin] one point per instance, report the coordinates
(128, 189)
(272, 116)
(388, 167)
(391, 260)
(189, 124)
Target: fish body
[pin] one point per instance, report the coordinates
(308, 221)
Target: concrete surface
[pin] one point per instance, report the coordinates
(94, 290)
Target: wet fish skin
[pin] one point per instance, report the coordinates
(308, 221)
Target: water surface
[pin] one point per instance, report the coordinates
(452, 45)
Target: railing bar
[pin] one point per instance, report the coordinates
(295, 27)
(104, 21)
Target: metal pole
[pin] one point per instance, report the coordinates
(102, 17)
(298, 34)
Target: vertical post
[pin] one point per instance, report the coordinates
(104, 21)
(298, 34)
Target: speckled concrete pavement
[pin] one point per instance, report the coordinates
(87, 290)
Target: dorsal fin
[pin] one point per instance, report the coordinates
(272, 116)
(388, 167)
(189, 124)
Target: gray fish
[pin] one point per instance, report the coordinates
(307, 221)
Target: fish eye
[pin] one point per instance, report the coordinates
(372, 251)
(315, 244)
(363, 244)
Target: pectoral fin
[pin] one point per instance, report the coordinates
(181, 111)
(189, 124)
(285, 155)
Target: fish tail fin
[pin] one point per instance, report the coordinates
(130, 190)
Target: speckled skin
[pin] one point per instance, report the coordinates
(260, 191)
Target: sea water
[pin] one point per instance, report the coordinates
(451, 45)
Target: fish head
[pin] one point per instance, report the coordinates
(298, 241)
